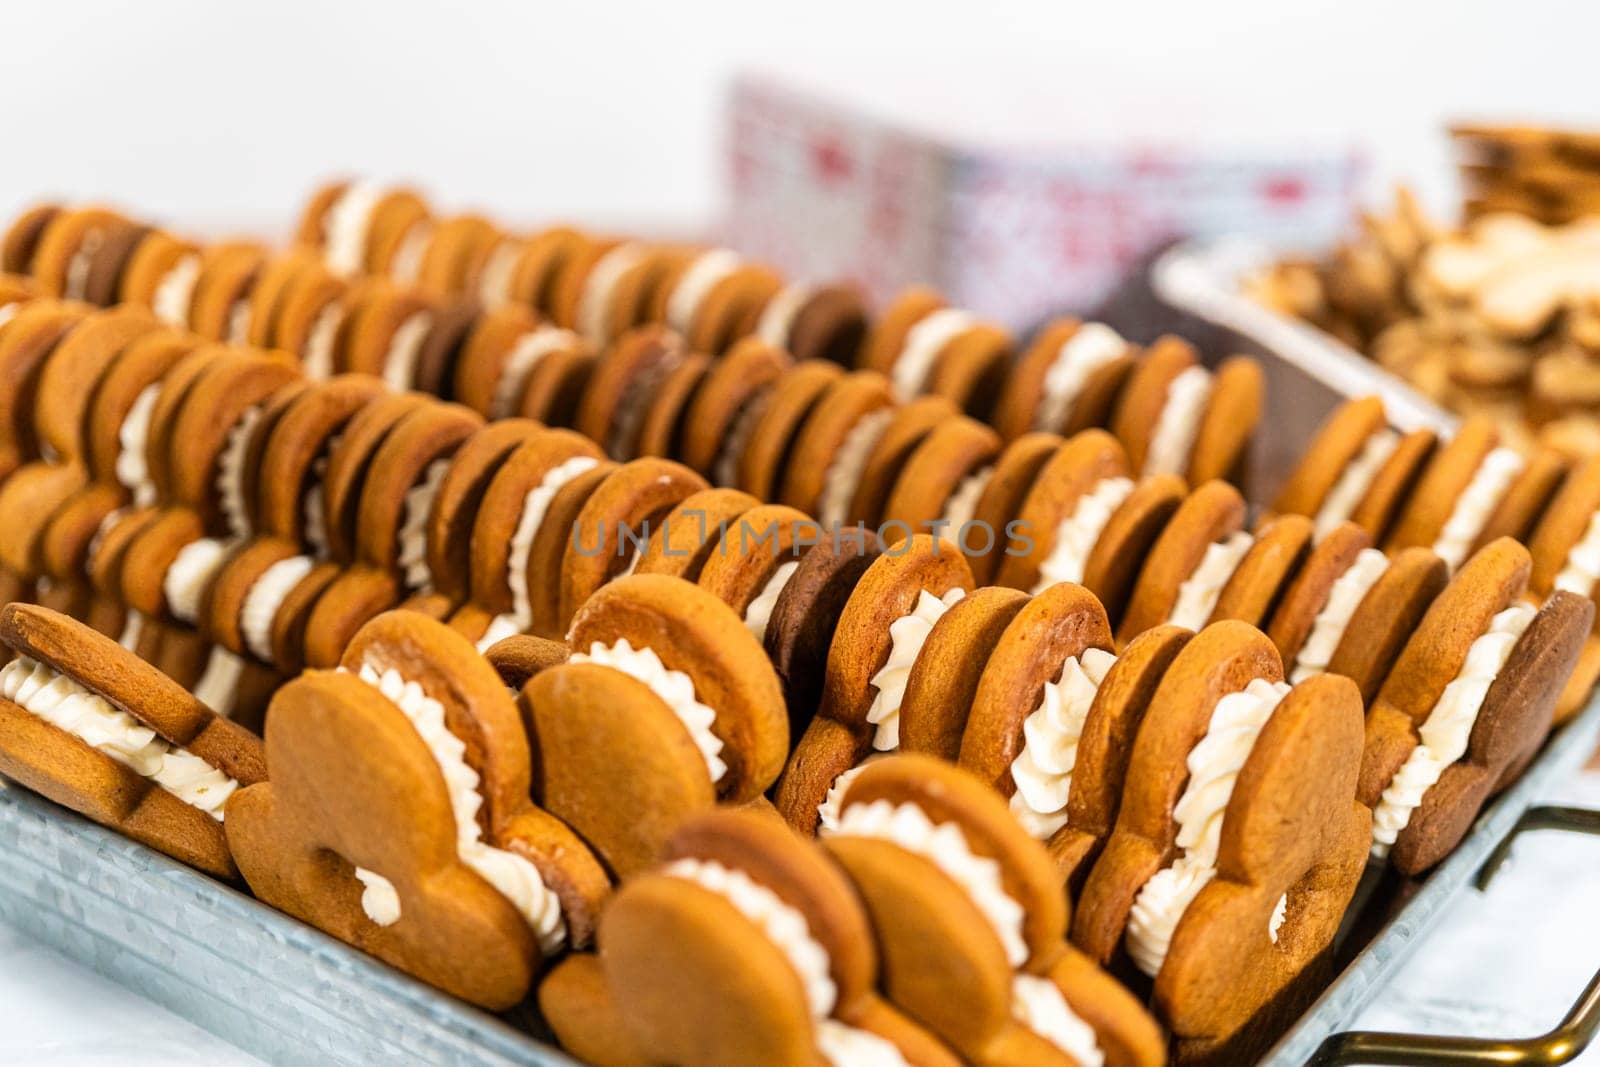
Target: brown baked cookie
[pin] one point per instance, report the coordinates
(604, 288)
(294, 458)
(71, 373)
(310, 318)
(219, 305)
(1067, 380)
(1190, 563)
(744, 920)
(623, 385)
(713, 298)
(815, 322)
(1016, 471)
(823, 464)
(25, 344)
(160, 274)
(702, 525)
(1351, 609)
(1566, 555)
(1066, 509)
(614, 527)
(985, 969)
(66, 246)
(521, 656)
(118, 422)
(879, 636)
(89, 725)
(384, 332)
(725, 407)
(1032, 697)
(512, 584)
(21, 239)
(1177, 417)
(1239, 842)
(1355, 468)
(1469, 699)
(941, 483)
(398, 819)
(1458, 497)
(925, 347)
(349, 221)
(666, 705)
(806, 613)
(540, 262)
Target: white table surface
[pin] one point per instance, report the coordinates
(1508, 963)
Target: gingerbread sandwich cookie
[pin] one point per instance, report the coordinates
(539, 263)
(612, 531)
(824, 465)
(92, 727)
(713, 298)
(1239, 842)
(940, 484)
(970, 919)
(1474, 489)
(880, 635)
(511, 580)
(1068, 380)
(26, 343)
(815, 322)
(924, 346)
(1565, 547)
(347, 221)
(1177, 417)
(624, 386)
(743, 919)
(400, 821)
(666, 706)
(1469, 700)
(1351, 609)
(22, 237)
(1356, 468)
(161, 274)
(604, 288)
(723, 412)
(1190, 563)
(752, 559)
(66, 248)
(512, 363)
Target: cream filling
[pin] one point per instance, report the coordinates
(1198, 595)
(346, 227)
(318, 362)
(946, 847)
(132, 631)
(1355, 480)
(777, 318)
(1039, 1004)
(1214, 764)
(674, 688)
(759, 612)
(828, 811)
(174, 293)
(594, 303)
(696, 283)
(924, 342)
(1043, 769)
(400, 362)
(1079, 532)
(1582, 568)
(9, 311)
(379, 898)
(842, 1045)
(783, 925)
(1476, 503)
(98, 541)
(1178, 425)
(239, 322)
(725, 468)
(1344, 597)
(1444, 735)
(189, 576)
(406, 266)
(1091, 347)
(230, 473)
(68, 706)
(534, 508)
(963, 502)
(843, 476)
(494, 284)
(510, 874)
(218, 687)
(265, 597)
(82, 261)
(132, 467)
(907, 635)
(531, 348)
(413, 536)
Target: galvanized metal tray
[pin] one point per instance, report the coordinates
(223, 960)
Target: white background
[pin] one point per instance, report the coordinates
(216, 116)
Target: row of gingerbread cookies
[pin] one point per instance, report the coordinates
(1174, 415)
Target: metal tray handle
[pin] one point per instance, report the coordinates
(1566, 1041)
